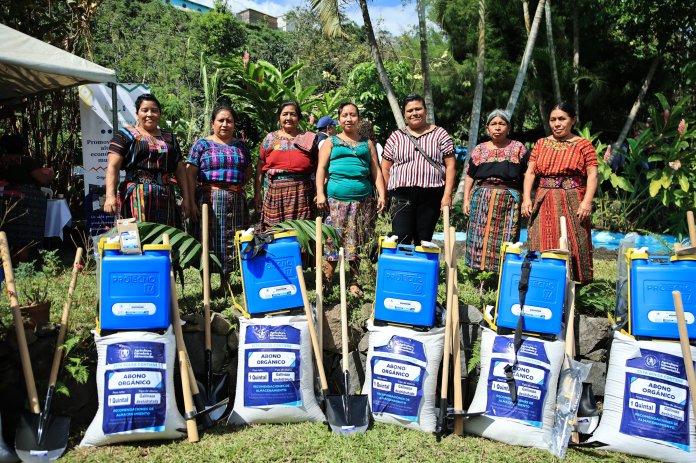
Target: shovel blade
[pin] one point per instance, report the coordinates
(219, 393)
(357, 418)
(49, 446)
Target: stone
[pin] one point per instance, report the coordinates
(332, 331)
(469, 314)
(194, 322)
(233, 340)
(356, 372)
(219, 324)
(195, 346)
(594, 336)
(364, 343)
(597, 377)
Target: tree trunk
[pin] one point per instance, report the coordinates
(576, 61)
(552, 53)
(478, 97)
(519, 81)
(543, 115)
(381, 70)
(425, 62)
(636, 106)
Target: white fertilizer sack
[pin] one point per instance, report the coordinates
(647, 406)
(275, 372)
(401, 377)
(528, 422)
(135, 386)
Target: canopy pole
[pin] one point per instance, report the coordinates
(114, 107)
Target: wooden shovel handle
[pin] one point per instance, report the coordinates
(692, 227)
(344, 308)
(448, 324)
(206, 276)
(456, 336)
(686, 348)
(445, 229)
(318, 256)
(19, 326)
(312, 331)
(184, 367)
(58, 353)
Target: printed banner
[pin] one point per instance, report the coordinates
(398, 370)
(135, 395)
(656, 399)
(531, 377)
(96, 124)
(272, 366)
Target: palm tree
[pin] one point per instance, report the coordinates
(636, 105)
(425, 64)
(329, 18)
(519, 81)
(576, 61)
(552, 52)
(535, 74)
(478, 97)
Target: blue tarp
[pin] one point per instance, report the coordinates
(607, 240)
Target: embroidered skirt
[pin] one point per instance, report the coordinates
(288, 198)
(494, 219)
(355, 222)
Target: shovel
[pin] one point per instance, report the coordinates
(347, 414)
(685, 347)
(215, 388)
(313, 335)
(44, 437)
(32, 396)
(690, 250)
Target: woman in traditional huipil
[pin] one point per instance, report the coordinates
(218, 167)
(419, 169)
(492, 194)
(350, 160)
(563, 166)
(149, 156)
(284, 187)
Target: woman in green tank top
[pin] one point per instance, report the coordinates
(347, 193)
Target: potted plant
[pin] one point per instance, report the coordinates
(32, 288)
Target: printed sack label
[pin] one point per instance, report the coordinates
(135, 395)
(531, 378)
(272, 366)
(656, 399)
(398, 369)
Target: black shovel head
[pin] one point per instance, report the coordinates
(348, 414)
(35, 444)
(218, 393)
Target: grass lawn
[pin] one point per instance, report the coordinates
(304, 441)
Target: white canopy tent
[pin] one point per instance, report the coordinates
(29, 66)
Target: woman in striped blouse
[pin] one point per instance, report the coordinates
(419, 168)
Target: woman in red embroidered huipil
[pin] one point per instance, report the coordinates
(563, 167)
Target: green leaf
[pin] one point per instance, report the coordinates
(655, 186)
(683, 182)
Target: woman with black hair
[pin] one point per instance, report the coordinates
(284, 188)
(563, 168)
(419, 169)
(218, 167)
(149, 156)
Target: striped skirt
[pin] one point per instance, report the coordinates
(494, 219)
(288, 198)
(354, 221)
(545, 228)
(149, 202)
(228, 213)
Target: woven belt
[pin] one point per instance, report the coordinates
(148, 177)
(214, 186)
(564, 183)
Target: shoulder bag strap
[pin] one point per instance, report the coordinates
(422, 152)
